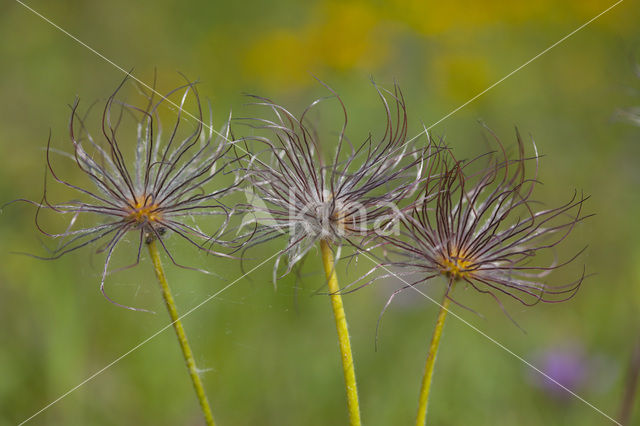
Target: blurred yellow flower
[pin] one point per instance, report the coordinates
(347, 36)
(279, 59)
(337, 37)
(437, 17)
(461, 77)
(340, 36)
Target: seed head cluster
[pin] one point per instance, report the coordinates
(472, 222)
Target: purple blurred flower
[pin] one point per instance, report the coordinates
(574, 368)
(566, 364)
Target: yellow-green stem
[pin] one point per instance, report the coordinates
(431, 360)
(182, 337)
(343, 334)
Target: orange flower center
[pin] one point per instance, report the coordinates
(456, 266)
(144, 210)
(340, 220)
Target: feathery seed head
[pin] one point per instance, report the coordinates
(174, 181)
(483, 229)
(357, 193)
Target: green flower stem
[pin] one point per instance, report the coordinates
(182, 337)
(343, 334)
(431, 360)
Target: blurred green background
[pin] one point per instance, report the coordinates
(270, 356)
